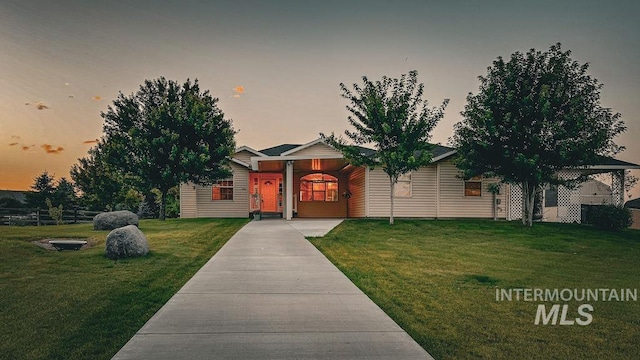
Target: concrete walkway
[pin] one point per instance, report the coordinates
(270, 294)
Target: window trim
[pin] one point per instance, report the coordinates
(325, 182)
(223, 184)
(473, 180)
(406, 178)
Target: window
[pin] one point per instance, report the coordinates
(473, 186)
(403, 186)
(222, 190)
(318, 187)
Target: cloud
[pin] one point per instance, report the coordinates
(95, 141)
(66, 84)
(237, 91)
(97, 98)
(13, 144)
(38, 105)
(50, 149)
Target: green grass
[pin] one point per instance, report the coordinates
(437, 280)
(81, 305)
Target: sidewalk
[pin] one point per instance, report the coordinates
(270, 294)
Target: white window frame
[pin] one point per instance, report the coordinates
(220, 184)
(406, 180)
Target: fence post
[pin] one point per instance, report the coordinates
(75, 215)
(38, 215)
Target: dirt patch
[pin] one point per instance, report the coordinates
(44, 243)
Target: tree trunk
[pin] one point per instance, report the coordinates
(392, 186)
(528, 197)
(163, 205)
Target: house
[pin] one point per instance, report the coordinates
(313, 180)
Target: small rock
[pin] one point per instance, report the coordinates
(114, 219)
(126, 242)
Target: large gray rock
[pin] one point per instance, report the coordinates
(114, 219)
(126, 242)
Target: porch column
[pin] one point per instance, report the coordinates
(289, 190)
(617, 188)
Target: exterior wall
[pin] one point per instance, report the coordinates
(206, 207)
(188, 206)
(244, 156)
(635, 216)
(422, 202)
(321, 209)
(317, 149)
(453, 203)
(357, 201)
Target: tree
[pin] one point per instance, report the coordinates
(166, 134)
(534, 115)
(101, 185)
(391, 116)
(42, 188)
(65, 194)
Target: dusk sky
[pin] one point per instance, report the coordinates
(276, 65)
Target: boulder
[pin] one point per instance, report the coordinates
(126, 242)
(114, 219)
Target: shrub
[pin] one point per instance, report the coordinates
(610, 217)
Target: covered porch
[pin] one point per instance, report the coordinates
(303, 186)
(568, 203)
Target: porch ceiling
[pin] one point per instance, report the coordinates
(302, 165)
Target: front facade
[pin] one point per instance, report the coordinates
(314, 181)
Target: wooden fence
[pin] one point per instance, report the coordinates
(39, 217)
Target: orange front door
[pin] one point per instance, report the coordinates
(268, 191)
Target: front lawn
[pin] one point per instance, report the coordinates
(438, 279)
(81, 305)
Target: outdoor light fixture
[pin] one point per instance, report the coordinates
(315, 164)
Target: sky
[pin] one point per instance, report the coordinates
(276, 66)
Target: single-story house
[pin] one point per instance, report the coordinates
(313, 180)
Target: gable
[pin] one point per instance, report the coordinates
(316, 149)
(244, 156)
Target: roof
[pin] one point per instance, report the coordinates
(609, 161)
(279, 149)
(14, 194)
(633, 204)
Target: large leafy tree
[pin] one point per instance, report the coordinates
(168, 133)
(533, 115)
(100, 184)
(391, 116)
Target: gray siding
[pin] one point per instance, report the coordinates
(244, 156)
(238, 207)
(357, 190)
(453, 203)
(188, 207)
(317, 149)
(422, 202)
